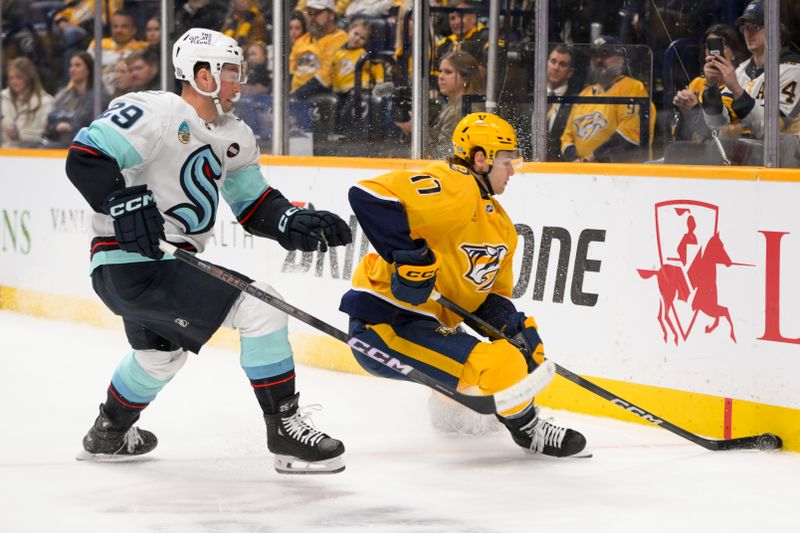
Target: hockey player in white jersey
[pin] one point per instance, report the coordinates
(153, 166)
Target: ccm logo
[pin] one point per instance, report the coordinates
(635, 410)
(379, 356)
(420, 274)
(133, 204)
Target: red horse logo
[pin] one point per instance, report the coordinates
(688, 282)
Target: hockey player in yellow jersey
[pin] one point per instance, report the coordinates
(444, 228)
(607, 132)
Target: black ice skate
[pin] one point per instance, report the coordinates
(539, 435)
(104, 442)
(298, 447)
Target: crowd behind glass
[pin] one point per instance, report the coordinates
(627, 80)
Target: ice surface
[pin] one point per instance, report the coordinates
(212, 473)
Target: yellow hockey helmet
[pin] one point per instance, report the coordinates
(486, 131)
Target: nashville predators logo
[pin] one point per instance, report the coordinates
(587, 125)
(484, 263)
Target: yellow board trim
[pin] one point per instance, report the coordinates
(699, 413)
(788, 175)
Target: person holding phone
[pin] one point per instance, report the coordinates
(744, 84)
(688, 123)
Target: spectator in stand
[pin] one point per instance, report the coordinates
(745, 84)
(345, 59)
(24, 107)
(344, 72)
(467, 34)
(152, 33)
(209, 14)
(123, 77)
(73, 107)
(339, 6)
(259, 73)
(144, 72)
(255, 104)
(459, 74)
(120, 45)
(80, 13)
(297, 26)
(689, 124)
(607, 132)
(371, 8)
(246, 24)
(311, 59)
(75, 23)
(560, 68)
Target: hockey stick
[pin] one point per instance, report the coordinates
(765, 441)
(518, 393)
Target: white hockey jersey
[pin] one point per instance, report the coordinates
(789, 98)
(158, 140)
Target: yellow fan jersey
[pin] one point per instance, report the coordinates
(344, 68)
(590, 125)
(314, 57)
(471, 235)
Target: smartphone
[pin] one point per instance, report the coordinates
(715, 46)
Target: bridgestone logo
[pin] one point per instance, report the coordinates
(381, 357)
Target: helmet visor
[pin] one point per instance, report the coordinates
(233, 73)
(512, 157)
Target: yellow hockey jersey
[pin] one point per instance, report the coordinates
(314, 57)
(590, 125)
(470, 233)
(344, 68)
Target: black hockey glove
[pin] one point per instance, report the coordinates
(712, 100)
(414, 273)
(522, 329)
(309, 231)
(137, 223)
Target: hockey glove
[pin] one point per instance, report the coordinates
(712, 100)
(138, 225)
(522, 329)
(309, 231)
(414, 273)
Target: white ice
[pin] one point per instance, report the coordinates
(211, 471)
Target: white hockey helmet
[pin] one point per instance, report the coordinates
(200, 45)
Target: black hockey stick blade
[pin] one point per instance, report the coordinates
(765, 441)
(513, 396)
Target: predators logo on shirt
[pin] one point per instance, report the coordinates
(484, 263)
(588, 125)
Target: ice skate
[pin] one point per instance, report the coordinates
(104, 442)
(540, 436)
(299, 448)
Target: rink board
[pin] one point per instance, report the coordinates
(593, 248)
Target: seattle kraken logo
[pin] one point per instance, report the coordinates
(198, 180)
(484, 263)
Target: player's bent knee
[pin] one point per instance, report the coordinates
(494, 366)
(254, 318)
(159, 364)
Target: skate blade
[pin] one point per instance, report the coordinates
(286, 464)
(584, 454)
(89, 457)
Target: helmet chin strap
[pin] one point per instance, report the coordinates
(483, 180)
(213, 95)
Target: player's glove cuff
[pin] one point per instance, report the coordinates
(523, 330)
(414, 275)
(309, 231)
(138, 225)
